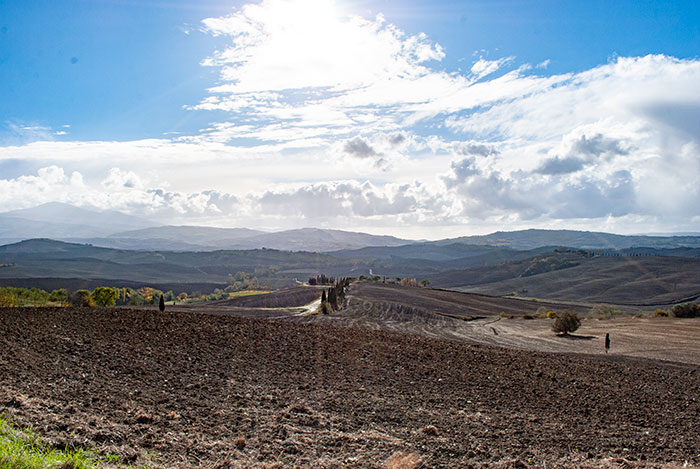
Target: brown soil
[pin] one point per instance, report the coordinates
(502, 321)
(469, 305)
(181, 389)
(286, 298)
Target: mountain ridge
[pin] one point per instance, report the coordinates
(113, 229)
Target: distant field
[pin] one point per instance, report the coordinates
(454, 303)
(501, 321)
(285, 298)
(643, 281)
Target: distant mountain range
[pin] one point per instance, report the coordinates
(113, 229)
(116, 230)
(63, 221)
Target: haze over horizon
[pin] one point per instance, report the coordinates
(412, 119)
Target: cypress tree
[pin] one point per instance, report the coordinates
(161, 304)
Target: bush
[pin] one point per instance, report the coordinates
(59, 296)
(685, 310)
(660, 313)
(15, 296)
(566, 322)
(551, 315)
(104, 296)
(6, 300)
(82, 298)
(605, 312)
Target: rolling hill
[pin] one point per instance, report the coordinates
(57, 220)
(44, 258)
(531, 239)
(113, 229)
(576, 276)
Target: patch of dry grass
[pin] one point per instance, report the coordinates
(401, 460)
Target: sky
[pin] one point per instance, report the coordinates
(418, 119)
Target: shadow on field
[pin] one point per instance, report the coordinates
(576, 337)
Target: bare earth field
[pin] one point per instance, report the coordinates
(286, 298)
(184, 389)
(500, 321)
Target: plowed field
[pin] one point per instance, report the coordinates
(181, 389)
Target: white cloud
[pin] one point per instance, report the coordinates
(350, 199)
(118, 179)
(319, 102)
(483, 67)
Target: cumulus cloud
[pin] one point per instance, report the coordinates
(559, 165)
(350, 199)
(360, 148)
(474, 148)
(49, 184)
(119, 190)
(485, 193)
(118, 179)
(597, 145)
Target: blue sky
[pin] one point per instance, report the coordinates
(425, 118)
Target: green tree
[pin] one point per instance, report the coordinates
(685, 310)
(82, 298)
(425, 282)
(161, 304)
(105, 296)
(333, 298)
(566, 322)
(59, 296)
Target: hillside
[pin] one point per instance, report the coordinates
(47, 258)
(641, 277)
(618, 280)
(531, 239)
(57, 220)
(117, 230)
(113, 229)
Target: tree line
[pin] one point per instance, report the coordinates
(334, 299)
(100, 296)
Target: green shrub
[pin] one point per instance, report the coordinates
(566, 322)
(685, 310)
(59, 296)
(660, 313)
(82, 298)
(605, 312)
(6, 300)
(16, 296)
(104, 296)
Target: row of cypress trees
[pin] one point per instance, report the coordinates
(333, 300)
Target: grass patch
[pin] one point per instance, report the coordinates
(247, 293)
(21, 449)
